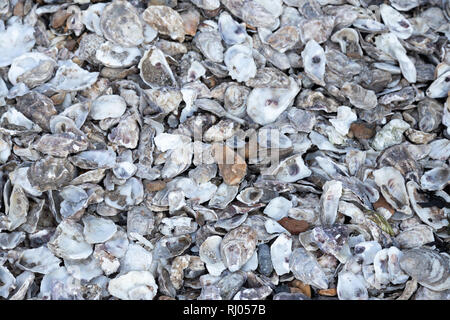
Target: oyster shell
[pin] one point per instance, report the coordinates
(31, 68)
(70, 77)
(280, 253)
(351, 287)
(264, 105)
(115, 56)
(210, 254)
(165, 20)
(134, 285)
(314, 62)
(435, 179)
(305, 268)
(396, 22)
(120, 23)
(155, 70)
(332, 191)
(392, 187)
(68, 241)
(237, 247)
(231, 31)
(426, 266)
(433, 216)
(240, 64)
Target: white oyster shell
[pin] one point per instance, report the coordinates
(305, 268)
(396, 22)
(136, 258)
(367, 251)
(237, 247)
(120, 22)
(18, 208)
(40, 260)
(134, 285)
(428, 267)
(86, 269)
(389, 44)
(210, 254)
(207, 4)
(11, 240)
(129, 194)
(264, 105)
(231, 31)
(345, 117)
(415, 236)
(314, 61)
(37, 66)
(280, 252)
(391, 134)
(433, 216)
(435, 179)
(392, 186)
(58, 285)
(278, 208)
(20, 177)
(7, 282)
(240, 63)
(115, 56)
(165, 20)
(329, 201)
(98, 230)
(68, 241)
(292, 169)
(70, 77)
(108, 106)
(91, 17)
(440, 87)
(351, 287)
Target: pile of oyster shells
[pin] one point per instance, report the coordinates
(114, 114)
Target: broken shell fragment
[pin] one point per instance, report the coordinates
(391, 134)
(305, 268)
(280, 252)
